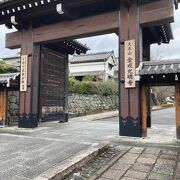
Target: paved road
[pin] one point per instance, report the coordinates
(164, 116)
(26, 154)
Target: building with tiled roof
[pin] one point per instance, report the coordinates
(99, 65)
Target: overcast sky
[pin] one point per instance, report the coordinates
(110, 42)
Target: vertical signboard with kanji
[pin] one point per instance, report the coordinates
(23, 79)
(130, 64)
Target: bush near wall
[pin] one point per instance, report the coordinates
(89, 87)
(5, 68)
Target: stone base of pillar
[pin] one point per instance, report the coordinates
(178, 133)
(28, 120)
(148, 120)
(130, 126)
(66, 117)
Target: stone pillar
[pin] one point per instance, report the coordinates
(129, 27)
(177, 102)
(29, 99)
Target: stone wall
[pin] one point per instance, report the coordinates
(78, 105)
(13, 108)
(88, 104)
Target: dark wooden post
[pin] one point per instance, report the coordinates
(29, 99)
(144, 109)
(177, 97)
(148, 58)
(3, 105)
(130, 116)
(149, 101)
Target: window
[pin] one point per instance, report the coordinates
(110, 66)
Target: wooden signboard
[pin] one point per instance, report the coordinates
(130, 68)
(51, 110)
(23, 79)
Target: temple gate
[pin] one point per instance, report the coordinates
(138, 23)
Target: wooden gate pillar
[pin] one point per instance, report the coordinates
(149, 107)
(129, 27)
(147, 57)
(144, 109)
(177, 103)
(28, 117)
(3, 105)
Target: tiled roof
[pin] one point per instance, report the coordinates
(160, 67)
(96, 57)
(5, 78)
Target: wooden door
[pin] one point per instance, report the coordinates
(2, 106)
(52, 85)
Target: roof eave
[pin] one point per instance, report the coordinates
(168, 33)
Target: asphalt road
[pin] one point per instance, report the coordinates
(24, 154)
(164, 117)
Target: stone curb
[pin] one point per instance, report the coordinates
(59, 172)
(101, 171)
(94, 117)
(161, 108)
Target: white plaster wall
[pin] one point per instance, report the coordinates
(107, 70)
(86, 67)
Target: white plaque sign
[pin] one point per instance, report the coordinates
(23, 79)
(130, 68)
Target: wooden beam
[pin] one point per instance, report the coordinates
(177, 103)
(151, 14)
(13, 40)
(94, 25)
(155, 13)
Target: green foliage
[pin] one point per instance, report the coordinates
(108, 88)
(90, 87)
(161, 93)
(87, 78)
(4, 68)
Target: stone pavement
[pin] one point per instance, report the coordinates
(145, 163)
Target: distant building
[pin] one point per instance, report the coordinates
(99, 65)
(116, 70)
(13, 61)
(102, 66)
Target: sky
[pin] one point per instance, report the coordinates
(110, 42)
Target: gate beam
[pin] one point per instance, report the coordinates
(94, 25)
(151, 14)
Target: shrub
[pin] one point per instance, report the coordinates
(71, 84)
(87, 78)
(5, 68)
(89, 87)
(108, 88)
